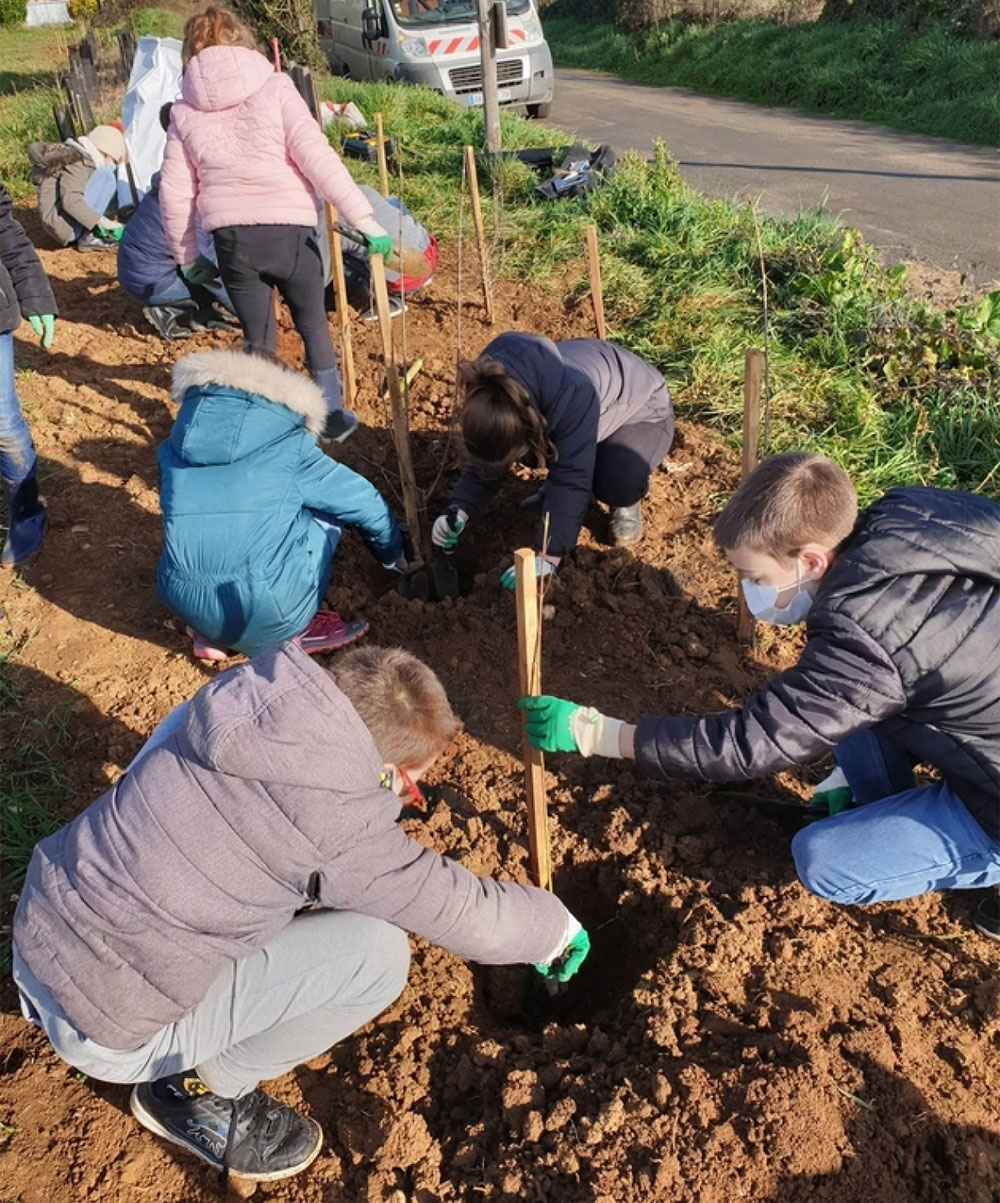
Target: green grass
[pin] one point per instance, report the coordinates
(934, 83)
(158, 22)
(33, 785)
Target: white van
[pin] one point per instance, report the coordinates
(436, 43)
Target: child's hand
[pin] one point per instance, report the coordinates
(555, 725)
(544, 566)
(569, 958)
(404, 566)
(110, 230)
(377, 241)
(44, 325)
(202, 271)
(447, 527)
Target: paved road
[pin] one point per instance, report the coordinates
(913, 197)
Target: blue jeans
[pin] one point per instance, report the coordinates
(98, 192)
(901, 841)
(17, 451)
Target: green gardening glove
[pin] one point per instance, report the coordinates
(44, 325)
(202, 271)
(547, 723)
(378, 244)
(568, 961)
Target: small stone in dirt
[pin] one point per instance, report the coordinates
(79, 529)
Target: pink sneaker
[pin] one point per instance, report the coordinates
(328, 631)
(203, 650)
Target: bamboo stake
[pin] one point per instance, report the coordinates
(529, 664)
(477, 221)
(400, 424)
(594, 268)
(383, 170)
(745, 630)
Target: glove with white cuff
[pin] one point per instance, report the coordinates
(555, 725)
(568, 956)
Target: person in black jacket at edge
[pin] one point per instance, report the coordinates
(24, 292)
(901, 666)
(597, 417)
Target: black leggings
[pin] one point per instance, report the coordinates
(626, 458)
(255, 259)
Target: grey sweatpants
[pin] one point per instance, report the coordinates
(322, 977)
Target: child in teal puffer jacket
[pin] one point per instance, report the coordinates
(253, 509)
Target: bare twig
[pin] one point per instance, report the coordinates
(766, 331)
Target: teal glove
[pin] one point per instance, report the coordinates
(543, 568)
(44, 325)
(109, 230)
(548, 723)
(447, 528)
(568, 961)
(202, 271)
(378, 244)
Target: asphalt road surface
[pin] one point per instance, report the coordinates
(915, 198)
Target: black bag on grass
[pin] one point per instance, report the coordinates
(580, 172)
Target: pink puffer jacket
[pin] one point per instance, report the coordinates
(244, 150)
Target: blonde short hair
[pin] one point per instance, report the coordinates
(789, 500)
(400, 701)
(215, 27)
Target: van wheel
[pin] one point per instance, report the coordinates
(538, 112)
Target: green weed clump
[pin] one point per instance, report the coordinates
(157, 23)
(33, 785)
(935, 82)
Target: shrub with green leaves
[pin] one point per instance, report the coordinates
(13, 12)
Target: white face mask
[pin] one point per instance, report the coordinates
(761, 601)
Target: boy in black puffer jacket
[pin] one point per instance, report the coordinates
(901, 666)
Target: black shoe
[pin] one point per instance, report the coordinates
(987, 915)
(340, 425)
(28, 521)
(89, 241)
(168, 321)
(255, 1138)
(626, 525)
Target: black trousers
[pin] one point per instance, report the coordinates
(626, 458)
(255, 259)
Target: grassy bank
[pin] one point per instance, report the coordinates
(894, 390)
(934, 83)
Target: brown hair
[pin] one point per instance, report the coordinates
(499, 423)
(214, 27)
(400, 701)
(789, 500)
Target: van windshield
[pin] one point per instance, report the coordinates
(447, 12)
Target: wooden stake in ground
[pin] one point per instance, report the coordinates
(529, 664)
(383, 170)
(477, 221)
(594, 268)
(350, 380)
(751, 438)
(397, 399)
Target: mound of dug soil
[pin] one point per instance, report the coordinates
(730, 1036)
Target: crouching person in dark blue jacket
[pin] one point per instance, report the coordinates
(253, 509)
(597, 417)
(147, 271)
(901, 667)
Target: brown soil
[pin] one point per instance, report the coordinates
(730, 1037)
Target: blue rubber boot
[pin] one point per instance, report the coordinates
(28, 523)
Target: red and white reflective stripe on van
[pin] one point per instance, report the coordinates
(466, 44)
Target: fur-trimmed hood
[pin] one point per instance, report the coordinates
(236, 371)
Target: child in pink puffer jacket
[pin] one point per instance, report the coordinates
(246, 155)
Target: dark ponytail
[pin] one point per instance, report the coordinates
(499, 423)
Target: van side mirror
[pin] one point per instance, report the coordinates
(372, 26)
